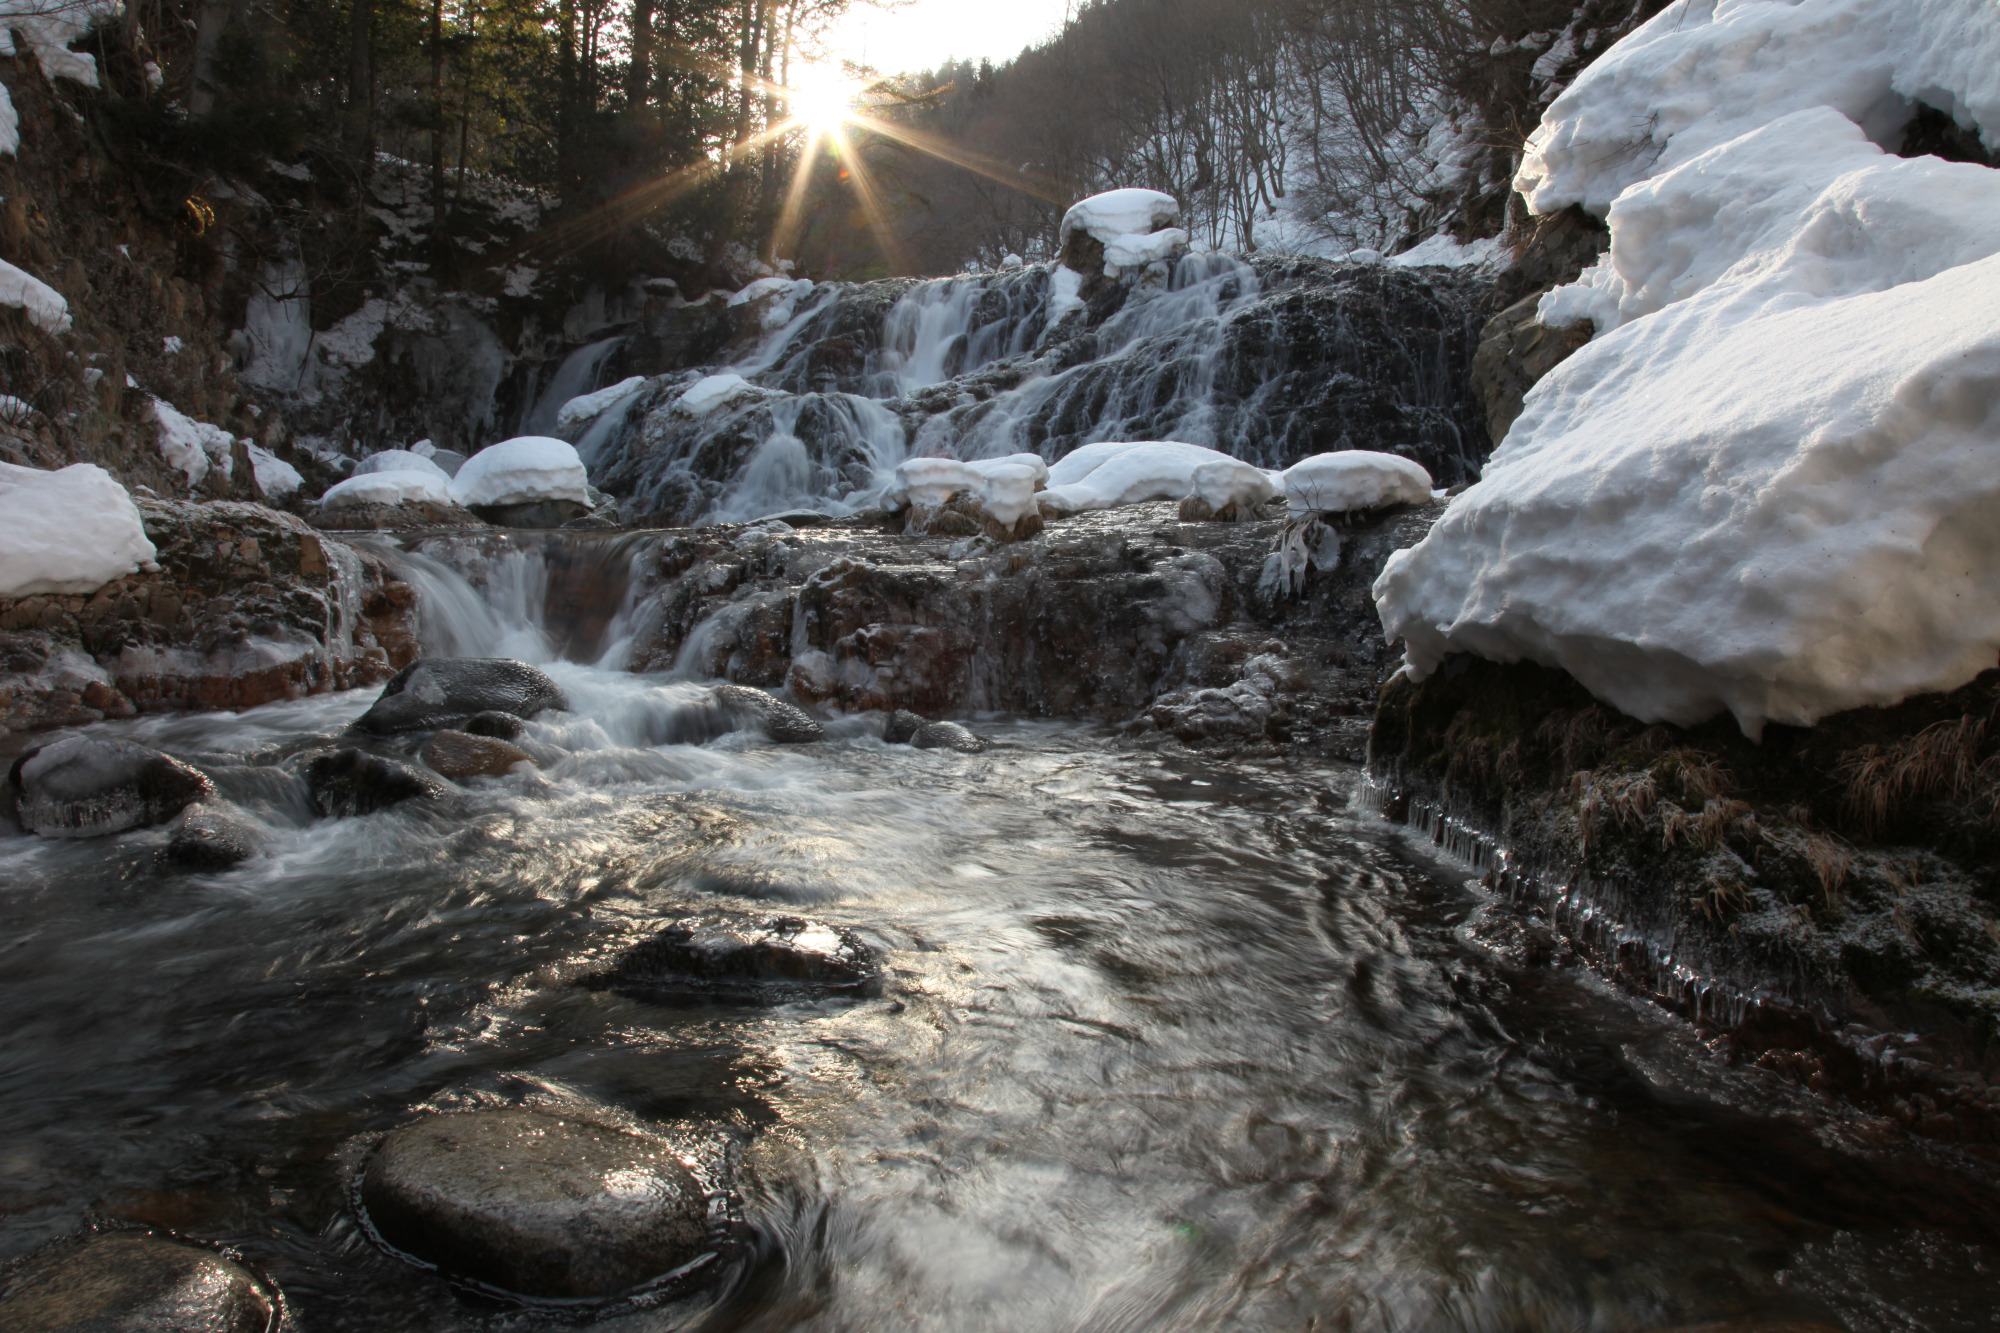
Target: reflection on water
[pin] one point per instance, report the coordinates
(1166, 1044)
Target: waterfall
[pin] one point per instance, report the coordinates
(577, 375)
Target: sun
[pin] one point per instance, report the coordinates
(824, 96)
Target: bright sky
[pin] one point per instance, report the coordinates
(920, 35)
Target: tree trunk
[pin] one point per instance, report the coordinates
(639, 78)
(361, 83)
(211, 19)
(437, 121)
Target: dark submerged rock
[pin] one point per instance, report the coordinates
(425, 696)
(135, 1283)
(90, 786)
(210, 839)
(353, 782)
(741, 957)
(500, 726)
(779, 720)
(458, 756)
(903, 727)
(536, 1203)
(948, 736)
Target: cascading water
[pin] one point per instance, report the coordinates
(580, 373)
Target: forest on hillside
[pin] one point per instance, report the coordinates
(1296, 123)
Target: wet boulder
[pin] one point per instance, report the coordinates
(458, 756)
(208, 838)
(500, 726)
(427, 696)
(948, 736)
(903, 727)
(90, 786)
(773, 959)
(120, 1282)
(353, 782)
(536, 1203)
(781, 721)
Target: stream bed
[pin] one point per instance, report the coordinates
(1165, 1041)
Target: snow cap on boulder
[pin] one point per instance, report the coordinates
(1104, 476)
(1354, 479)
(522, 471)
(1119, 213)
(401, 460)
(1004, 487)
(388, 488)
(70, 531)
(712, 392)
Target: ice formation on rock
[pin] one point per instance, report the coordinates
(522, 471)
(70, 531)
(1766, 487)
(1103, 476)
(1354, 479)
(192, 446)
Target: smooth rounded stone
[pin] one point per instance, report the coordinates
(458, 756)
(948, 736)
(743, 957)
(354, 782)
(425, 696)
(779, 720)
(211, 839)
(536, 1203)
(903, 727)
(91, 786)
(121, 1282)
(500, 726)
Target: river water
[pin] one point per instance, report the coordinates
(1167, 1042)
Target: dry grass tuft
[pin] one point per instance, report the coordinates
(1831, 862)
(1719, 816)
(1942, 760)
(1578, 738)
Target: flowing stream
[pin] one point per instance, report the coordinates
(1166, 1041)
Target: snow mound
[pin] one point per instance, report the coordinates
(522, 471)
(387, 488)
(71, 531)
(1104, 476)
(711, 393)
(45, 307)
(1354, 479)
(1004, 487)
(590, 406)
(276, 479)
(1766, 487)
(402, 460)
(192, 446)
(1120, 213)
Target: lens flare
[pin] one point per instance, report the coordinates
(824, 97)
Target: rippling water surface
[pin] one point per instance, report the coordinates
(1167, 1043)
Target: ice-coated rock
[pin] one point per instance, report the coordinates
(903, 726)
(130, 1282)
(737, 957)
(69, 531)
(459, 755)
(500, 726)
(212, 838)
(782, 722)
(948, 736)
(88, 786)
(429, 695)
(348, 782)
(536, 1203)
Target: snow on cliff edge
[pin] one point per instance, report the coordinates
(1768, 486)
(70, 531)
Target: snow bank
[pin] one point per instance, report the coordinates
(387, 488)
(715, 391)
(590, 406)
(1004, 487)
(192, 446)
(71, 531)
(522, 471)
(276, 479)
(46, 309)
(1104, 476)
(47, 27)
(1354, 479)
(402, 460)
(1122, 213)
(1766, 487)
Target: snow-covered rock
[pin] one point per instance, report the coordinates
(192, 446)
(44, 305)
(1004, 487)
(522, 471)
(71, 531)
(589, 407)
(402, 460)
(388, 488)
(276, 479)
(1137, 251)
(1118, 213)
(1767, 486)
(711, 393)
(1103, 476)
(1354, 479)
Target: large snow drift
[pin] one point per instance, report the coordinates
(522, 471)
(1768, 485)
(1104, 476)
(71, 531)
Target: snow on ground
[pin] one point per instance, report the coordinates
(387, 488)
(589, 407)
(276, 479)
(712, 392)
(71, 531)
(192, 446)
(45, 307)
(1441, 251)
(1104, 476)
(1354, 479)
(522, 471)
(1766, 486)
